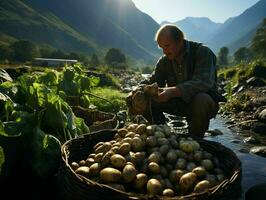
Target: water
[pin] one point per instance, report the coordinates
(253, 166)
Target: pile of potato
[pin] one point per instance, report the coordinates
(151, 160)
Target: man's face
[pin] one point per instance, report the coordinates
(169, 46)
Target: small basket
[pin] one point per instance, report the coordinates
(75, 186)
(96, 120)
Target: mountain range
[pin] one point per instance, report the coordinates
(81, 25)
(94, 26)
(234, 33)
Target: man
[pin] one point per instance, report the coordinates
(186, 75)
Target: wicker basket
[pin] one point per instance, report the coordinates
(96, 120)
(74, 186)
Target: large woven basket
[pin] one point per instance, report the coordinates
(75, 186)
(95, 119)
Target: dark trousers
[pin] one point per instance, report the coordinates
(198, 112)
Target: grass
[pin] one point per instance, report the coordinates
(239, 74)
(115, 99)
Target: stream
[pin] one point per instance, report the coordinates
(253, 166)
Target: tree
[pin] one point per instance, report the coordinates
(115, 56)
(7, 53)
(223, 56)
(242, 54)
(259, 41)
(94, 60)
(24, 50)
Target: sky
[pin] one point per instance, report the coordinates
(175, 10)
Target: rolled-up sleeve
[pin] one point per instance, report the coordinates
(204, 75)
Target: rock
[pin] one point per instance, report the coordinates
(235, 141)
(259, 127)
(243, 150)
(262, 116)
(251, 140)
(256, 82)
(214, 132)
(259, 150)
(256, 192)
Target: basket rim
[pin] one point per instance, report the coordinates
(211, 191)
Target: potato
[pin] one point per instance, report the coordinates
(188, 181)
(89, 162)
(103, 148)
(168, 192)
(130, 134)
(124, 148)
(151, 141)
(175, 175)
(95, 169)
(171, 156)
(164, 149)
(212, 179)
(155, 157)
(98, 157)
(181, 163)
(207, 164)
(154, 168)
(200, 171)
(129, 173)
(84, 171)
(118, 161)
(139, 157)
(137, 144)
(166, 130)
(106, 159)
(122, 132)
(162, 141)
(97, 145)
(154, 187)
(220, 177)
(110, 175)
(202, 186)
(82, 163)
(163, 171)
(140, 181)
(151, 90)
(159, 134)
(141, 129)
(150, 129)
(74, 165)
(190, 166)
(197, 156)
(186, 146)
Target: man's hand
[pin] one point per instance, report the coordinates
(167, 93)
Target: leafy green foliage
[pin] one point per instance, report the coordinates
(115, 57)
(222, 56)
(116, 99)
(259, 41)
(24, 50)
(242, 54)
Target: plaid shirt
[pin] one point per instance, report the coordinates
(196, 72)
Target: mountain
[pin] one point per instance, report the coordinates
(82, 25)
(239, 27)
(197, 28)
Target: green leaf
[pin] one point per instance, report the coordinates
(11, 129)
(94, 81)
